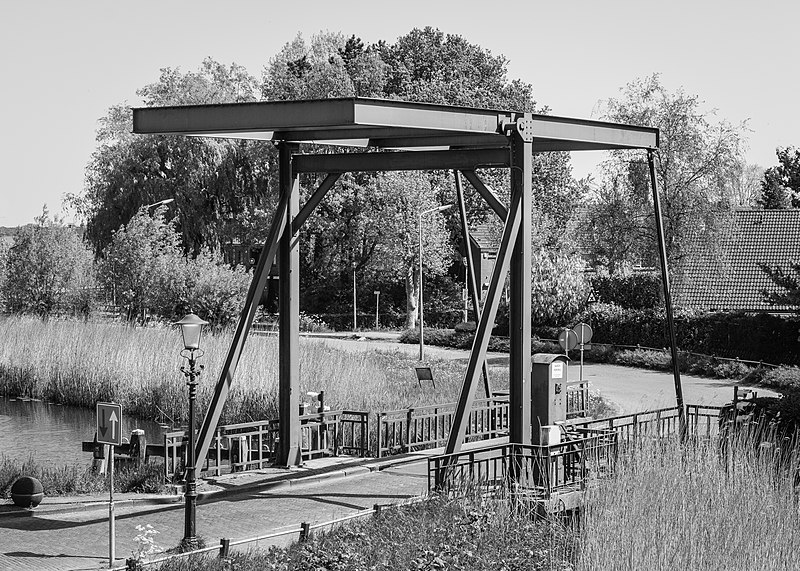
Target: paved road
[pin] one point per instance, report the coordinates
(79, 540)
(629, 389)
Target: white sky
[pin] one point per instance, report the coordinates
(64, 64)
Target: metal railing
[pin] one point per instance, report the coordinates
(251, 445)
(540, 470)
(701, 421)
(401, 431)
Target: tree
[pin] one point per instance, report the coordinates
(404, 197)
(142, 266)
(146, 268)
(48, 270)
(780, 187)
(696, 158)
(215, 183)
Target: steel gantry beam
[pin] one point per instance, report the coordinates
(484, 330)
(662, 257)
(472, 285)
(254, 293)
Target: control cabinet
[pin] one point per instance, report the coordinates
(548, 392)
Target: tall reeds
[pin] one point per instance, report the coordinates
(697, 506)
(78, 363)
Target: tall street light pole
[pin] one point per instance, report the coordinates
(421, 214)
(159, 203)
(355, 316)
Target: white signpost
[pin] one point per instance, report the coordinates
(583, 331)
(109, 431)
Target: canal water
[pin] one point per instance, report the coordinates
(52, 433)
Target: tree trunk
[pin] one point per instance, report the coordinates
(412, 297)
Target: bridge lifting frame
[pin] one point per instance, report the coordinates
(400, 136)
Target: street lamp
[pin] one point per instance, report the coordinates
(423, 212)
(355, 322)
(191, 329)
(159, 203)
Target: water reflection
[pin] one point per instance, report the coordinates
(53, 433)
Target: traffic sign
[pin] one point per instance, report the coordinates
(109, 423)
(592, 298)
(584, 333)
(567, 339)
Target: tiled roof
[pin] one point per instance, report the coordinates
(486, 236)
(724, 274)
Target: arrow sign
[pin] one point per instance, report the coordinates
(109, 418)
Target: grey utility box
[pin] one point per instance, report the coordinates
(548, 391)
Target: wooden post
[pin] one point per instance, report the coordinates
(224, 547)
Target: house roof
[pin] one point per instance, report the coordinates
(725, 274)
(485, 236)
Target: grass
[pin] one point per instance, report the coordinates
(666, 507)
(693, 507)
(466, 533)
(77, 363)
(72, 480)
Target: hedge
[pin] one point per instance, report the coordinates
(753, 337)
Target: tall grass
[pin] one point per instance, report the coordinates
(694, 507)
(78, 363)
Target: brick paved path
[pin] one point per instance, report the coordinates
(79, 540)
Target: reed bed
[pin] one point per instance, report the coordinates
(699, 506)
(80, 363)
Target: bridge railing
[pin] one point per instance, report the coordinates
(418, 428)
(251, 445)
(539, 469)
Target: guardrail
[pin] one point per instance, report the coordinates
(701, 421)
(303, 532)
(251, 445)
(401, 431)
(540, 470)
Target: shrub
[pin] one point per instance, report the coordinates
(640, 290)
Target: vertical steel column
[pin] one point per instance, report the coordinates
(473, 285)
(289, 316)
(520, 287)
(662, 255)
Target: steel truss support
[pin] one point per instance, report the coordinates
(289, 316)
(473, 285)
(277, 228)
(484, 329)
(487, 194)
(662, 256)
(254, 293)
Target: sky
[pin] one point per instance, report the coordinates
(64, 64)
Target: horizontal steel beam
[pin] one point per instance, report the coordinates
(464, 159)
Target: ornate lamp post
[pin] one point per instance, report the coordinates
(191, 329)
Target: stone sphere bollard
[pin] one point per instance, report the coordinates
(27, 492)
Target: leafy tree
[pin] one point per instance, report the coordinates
(780, 187)
(48, 270)
(696, 157)
(146, 268)
(215, 183)
(142, 265)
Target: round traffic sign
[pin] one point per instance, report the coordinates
(567, 339)
(583, 331)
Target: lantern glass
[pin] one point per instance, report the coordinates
(191, 329)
